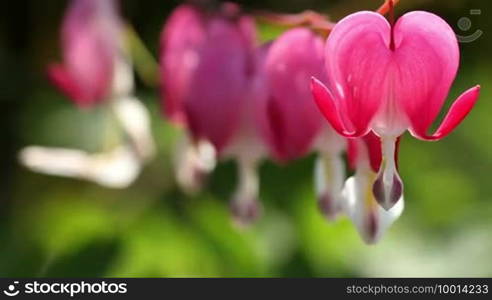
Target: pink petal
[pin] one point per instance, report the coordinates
(352, 153)
(390, 89)
(91, 33)
(458, 111)
(182, 37)
(91, 65)
(61, 79)
(373, 144)
(327, 106)
(427, 58)
(357, 61)
(219, 83)
(293, 117)
(330, 108)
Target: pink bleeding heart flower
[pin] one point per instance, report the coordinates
(248, 146)
(370, 219)
(213, 83)
(292, 118)
(292, 123)
(389, 78)
(90, 41)
(183, 35)
(206, 65)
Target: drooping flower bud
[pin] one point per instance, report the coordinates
(90, 39)
(293, 122)
(248, 146)
(212, 83)
(292, 116)
(206, 61)
(97, 67)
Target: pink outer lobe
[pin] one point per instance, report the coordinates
(63, 80)
(355, 51)
(207, 63)
(405, 87)
(293, 118)
(181, 40)
(219, 83)
(90, 41)
(457, 113)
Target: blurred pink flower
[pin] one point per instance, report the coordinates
(90, 37)
(292, 124)
(292, 118)
(248, 146)
(389, 79)
(212, 83)
(182, 36)
(207, 61)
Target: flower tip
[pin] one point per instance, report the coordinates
(476, 88)
(193, 183)
(370, 219)
(326, 104)
(63, 81)
(245, 212)
(328, 206)
(370, 234)
(456, 114)
(473, 92)
(387, 195)
(312, 83)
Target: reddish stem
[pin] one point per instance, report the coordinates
(392, 23)
(383, 9)
(308, 18)
(319, 22)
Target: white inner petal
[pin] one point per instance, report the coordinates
(390, 120)
(361, 207)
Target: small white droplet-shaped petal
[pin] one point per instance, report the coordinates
(55, 161)
(135, 120)
(117, 168)
(245, 204)
(329, 173)
(192, 163)
(370, 219)
(123, 79)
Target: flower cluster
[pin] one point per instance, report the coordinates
(97, 71)
(356, 91)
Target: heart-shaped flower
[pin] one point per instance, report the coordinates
(207, 62)
(293, 120)
(389, 78)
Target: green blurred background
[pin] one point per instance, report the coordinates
(51, 226)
